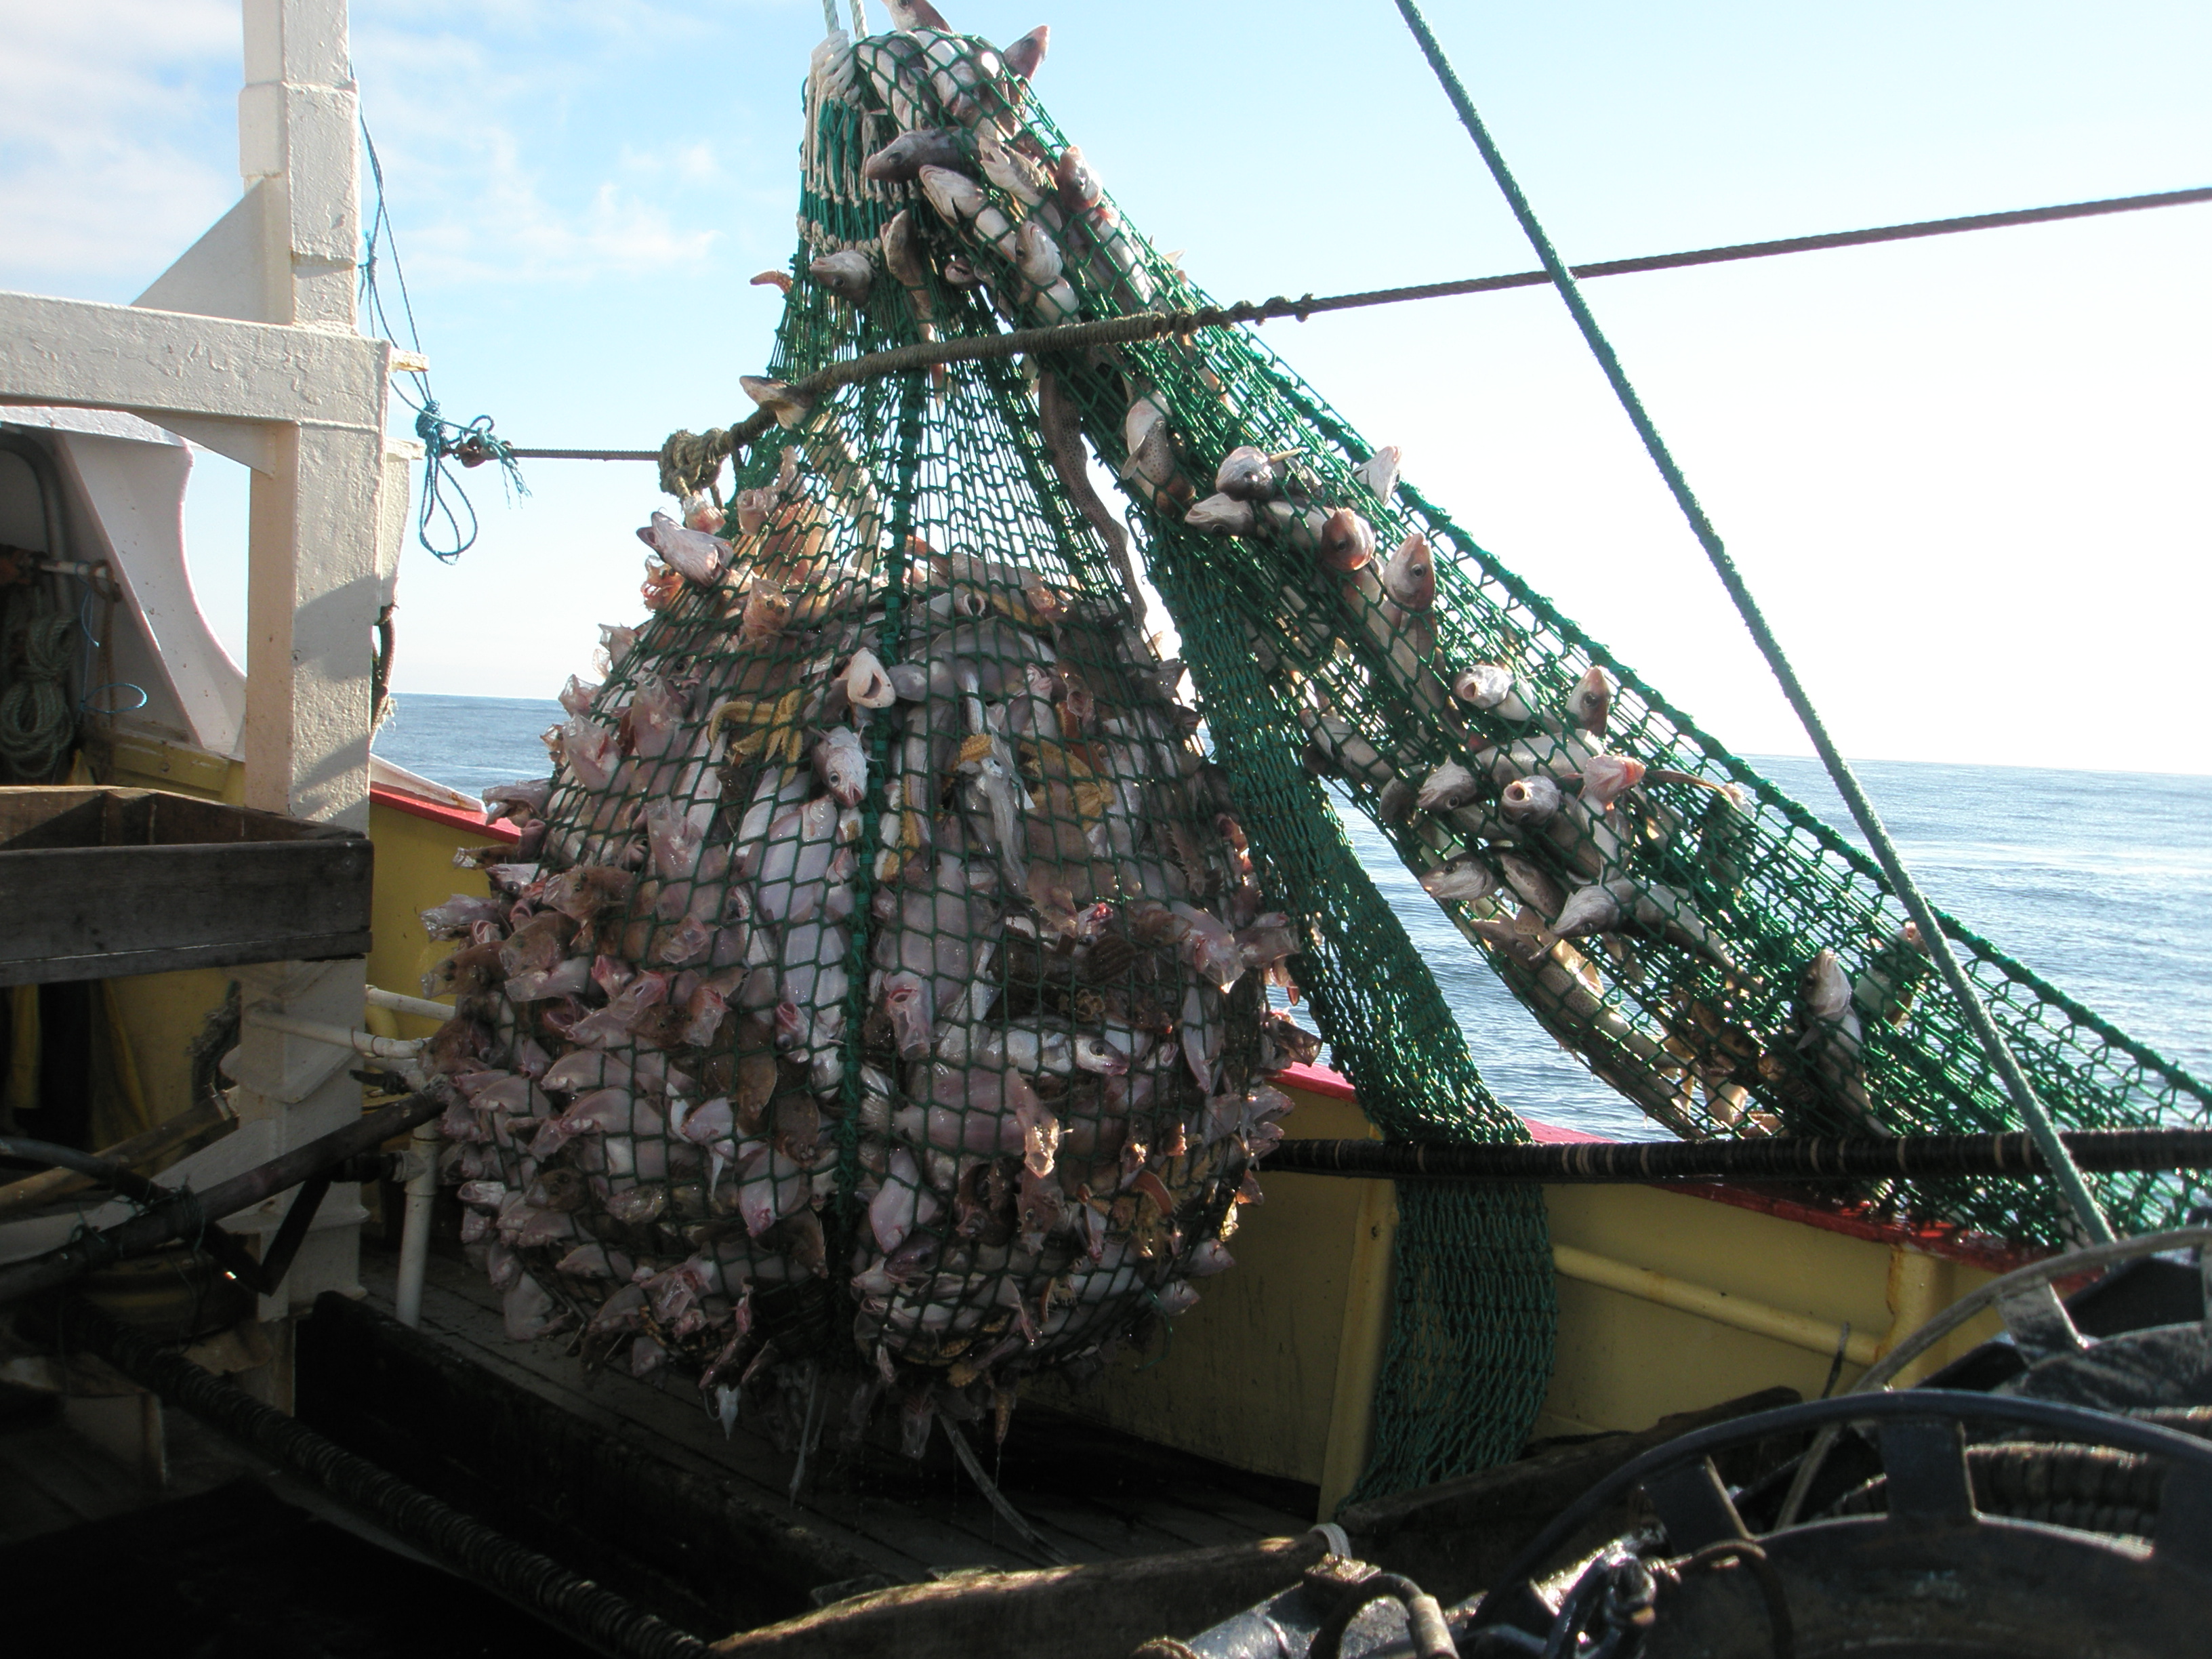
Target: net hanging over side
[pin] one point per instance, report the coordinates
(1707, 945)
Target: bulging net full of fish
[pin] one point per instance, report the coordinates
(878, 987)
(1706, 945)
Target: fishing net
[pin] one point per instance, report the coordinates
(1708, 946)
(963, 970)
(874, 1010)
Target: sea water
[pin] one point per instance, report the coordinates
(2100, 882)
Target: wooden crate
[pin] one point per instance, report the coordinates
(99, 883)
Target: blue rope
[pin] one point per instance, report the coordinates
(445, 501)
(444, 442)
(1932, 934)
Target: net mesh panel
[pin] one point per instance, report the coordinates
(876, 1005)
(1707, 946)
(1468, 1353)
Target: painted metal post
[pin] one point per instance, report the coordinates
(311, 582)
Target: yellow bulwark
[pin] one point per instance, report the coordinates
(1668, 1301)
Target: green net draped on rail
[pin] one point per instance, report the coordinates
(1706, 945)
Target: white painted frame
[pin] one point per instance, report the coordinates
(247, 345)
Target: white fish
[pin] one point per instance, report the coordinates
(956, 197)
(696, 555)
(1593, 909)
(899, 161)
(867, 683)
(576, 696)
(788, 406)
(1015, 174)
(458, 915)
(528, 1310)
(1591, 701)
(1531, 801)
(842, 765)
(1379, 472)
(1175, 1297)
(909, 1006)
(1833, 1038)
(903, 1202)
(1036, 256)
(1491, 689)
(1409, 575)
(1220, 515)
(1247, 474)
(1607, 778)
(1449, 785)
(1026, 55)
(657, 714)
(1464, 877)
(848, 274)
(796, 863)
(1347, 542)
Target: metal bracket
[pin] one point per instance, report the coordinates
(1924, 1460)
(1694, 1506)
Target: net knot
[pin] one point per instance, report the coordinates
(690, 460)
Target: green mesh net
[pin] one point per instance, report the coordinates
(875, 1012)
(1000, 979)
(1709, 947)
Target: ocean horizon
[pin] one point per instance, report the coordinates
(2101, 882)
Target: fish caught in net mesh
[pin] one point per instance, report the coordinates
(878, 985)
(1706, 945)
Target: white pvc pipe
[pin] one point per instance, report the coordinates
(414, 1225)
(339, 1036)
(401, 1004)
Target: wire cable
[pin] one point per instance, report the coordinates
(2079, 1198)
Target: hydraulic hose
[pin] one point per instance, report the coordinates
(185, 1214)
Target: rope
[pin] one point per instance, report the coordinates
(1790, 1158)
(688, 461)
(2075, 1190)
(444, 441)
(37, 726)
(693, 457)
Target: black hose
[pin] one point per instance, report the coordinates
(1424, 1620)
(2088, 1488)
(465, 1543)
(1785, 1158)
(105, 1171)
(186, 1214)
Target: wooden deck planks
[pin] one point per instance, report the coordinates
(912, 1528)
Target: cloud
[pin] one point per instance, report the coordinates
(492, 221)
(117, 138)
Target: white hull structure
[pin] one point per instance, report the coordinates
(247, 345)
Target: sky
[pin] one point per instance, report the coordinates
(1966, 478)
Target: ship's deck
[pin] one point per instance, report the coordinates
(645, 1492)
